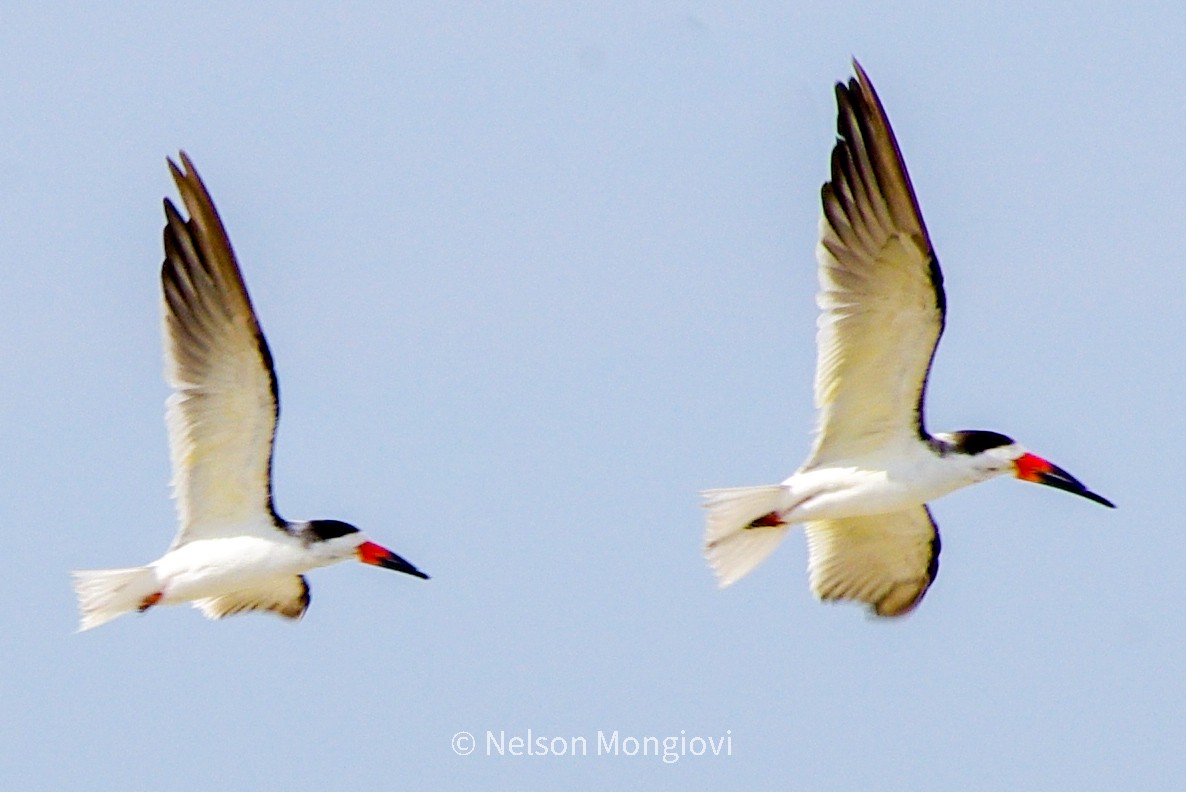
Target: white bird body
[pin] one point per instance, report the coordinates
(232, 552)
(875, 483)
(885, 479)
(862, 492)
(213, 567)
(894, 478)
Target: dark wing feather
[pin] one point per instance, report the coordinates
(223, 412)
(881, 299)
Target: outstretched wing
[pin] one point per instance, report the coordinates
(881, 291)
(886, 560)
(284, 596)
(222, 414)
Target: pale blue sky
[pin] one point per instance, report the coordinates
(535, 275)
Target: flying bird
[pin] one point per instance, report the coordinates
(862, 494)
(232, 553)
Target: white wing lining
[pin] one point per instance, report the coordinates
(881, 293)
(286, 596)
(885, 560)
(222, 415)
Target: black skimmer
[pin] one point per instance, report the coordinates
(233, 553)
(862, 493)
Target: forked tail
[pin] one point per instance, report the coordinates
(104, 594)
(743, 528)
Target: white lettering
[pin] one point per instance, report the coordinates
(669, 749)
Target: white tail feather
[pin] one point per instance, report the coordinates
(104, 594)
(732, 547)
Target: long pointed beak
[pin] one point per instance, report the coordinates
(371, 553)
(1029, 467)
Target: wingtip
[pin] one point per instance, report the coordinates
(171, 212)
(858, 83)
(185, 172)
(862, 83)
(174, 169)
(183, 157)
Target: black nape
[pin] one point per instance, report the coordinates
(975, 441)
(323, 530)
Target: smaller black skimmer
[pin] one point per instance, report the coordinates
(233, 553)
(862, 493)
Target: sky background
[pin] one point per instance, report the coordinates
(535, 274)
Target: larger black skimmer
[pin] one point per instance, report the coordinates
(862, 493)
(233, 553)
